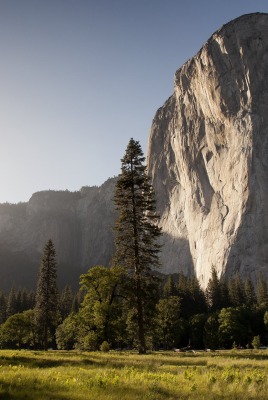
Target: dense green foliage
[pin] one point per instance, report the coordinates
(181, 315)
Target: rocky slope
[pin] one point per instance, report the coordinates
(208, 156)
(80, 225)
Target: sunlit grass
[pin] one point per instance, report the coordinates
(59, 375)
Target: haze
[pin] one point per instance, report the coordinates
(79, 78)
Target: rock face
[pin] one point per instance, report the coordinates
(80, 225)
(208, 156)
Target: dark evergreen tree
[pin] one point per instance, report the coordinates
(198, 297)
(231, 292)
(24, 302)
(20, 306)
(12, 305)
(236, 291)
(66, 301)
(77, 300)
(47, 294)
(31, 300)
(262, 295)
(169, 288)
(216, 292)
(3, 308)
(193, 299)
(137, 231)
(250, 296)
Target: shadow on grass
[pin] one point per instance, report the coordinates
(54, 360)
(42, 361)
(34, 389)
(118, 361)
(242, 355)
(14, 391)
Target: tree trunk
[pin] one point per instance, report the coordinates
(141, 334)
(45, 338)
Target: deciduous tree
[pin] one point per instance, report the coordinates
(102, 305)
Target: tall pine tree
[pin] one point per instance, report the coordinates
(47, 294)
(137, 231)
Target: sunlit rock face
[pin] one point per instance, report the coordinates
(208, 156)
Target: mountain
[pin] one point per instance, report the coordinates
(208, 156)
(80, 225)
(208, 159)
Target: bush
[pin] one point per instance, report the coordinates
(90, 342)
(256, 342)
(105, 347)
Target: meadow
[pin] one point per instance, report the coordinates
(58, 375)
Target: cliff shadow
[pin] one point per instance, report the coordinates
(175, 256)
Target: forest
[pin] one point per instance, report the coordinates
(179, 315)
(130, 304)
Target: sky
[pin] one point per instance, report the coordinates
(79, 78)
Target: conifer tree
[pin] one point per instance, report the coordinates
(19, 301)
(12, 305)
(250, 296)
(25, 302)
(231, 291)
(197, 296)
(193, 300)
(236, 291)
(215, 292)
(31, 300)
(240, 289)
(66, 301)
(78, 298)
(47, 294)
(169, 288)
(136, 230)
(3, 307)
(262, 294)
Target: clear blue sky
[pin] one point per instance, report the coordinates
(79, 78)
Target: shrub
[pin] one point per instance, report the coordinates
(256, 342)
(105, 347)
(89, 342)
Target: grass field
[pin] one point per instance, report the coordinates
(72, 375)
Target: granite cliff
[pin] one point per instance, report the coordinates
(208, 156)
(79, 223)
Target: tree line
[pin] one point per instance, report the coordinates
(180, 314)
(130, 304)
(21, 299)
